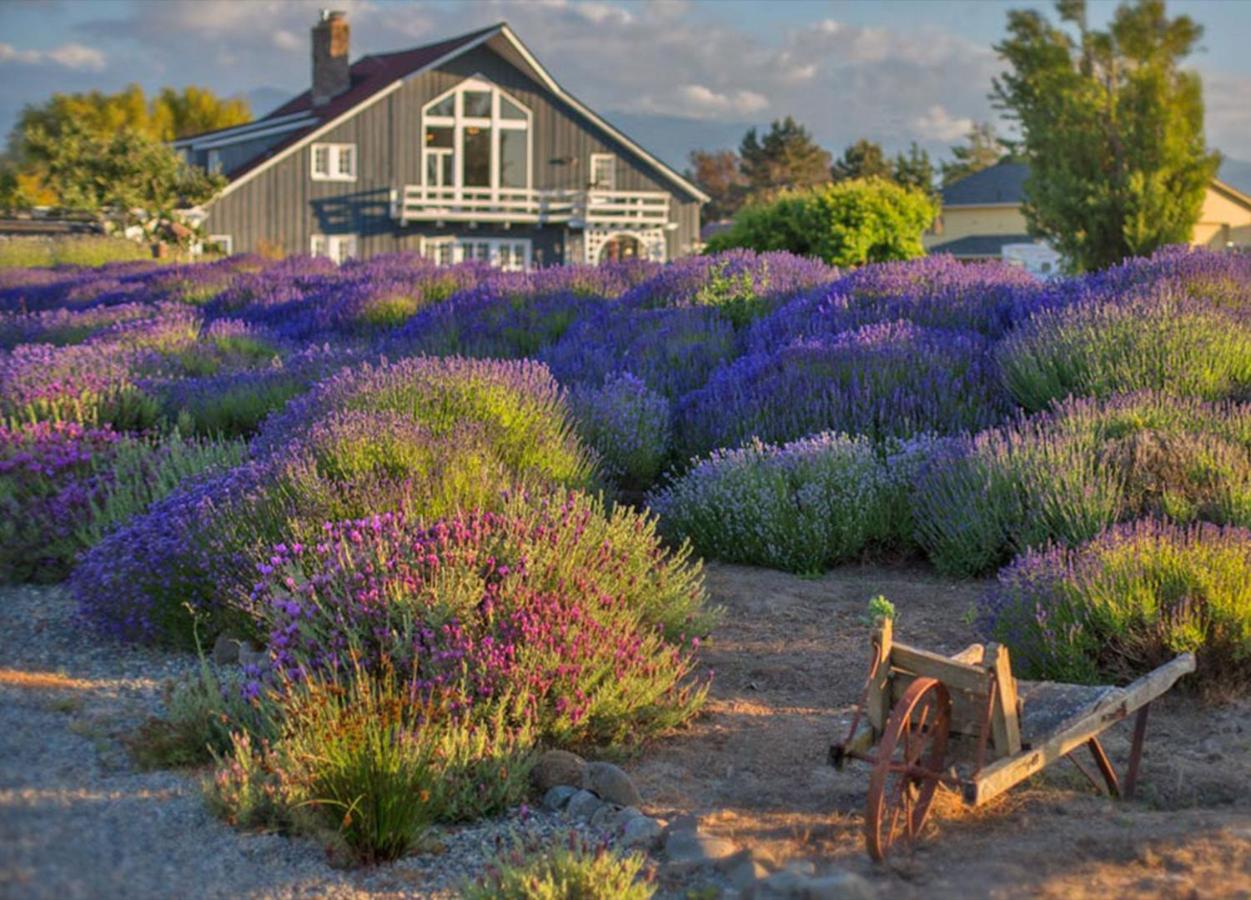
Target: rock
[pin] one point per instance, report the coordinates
(557, 798)
(742, 871)
(225, 650)
(686, 850)
(625, 815)
(839, 886)
(558, 767)
(683, 822)
(252, 657)
(784, 885)
(605, 818)
(802, 867)
(612, 784)
(583, 805)
(640, 833)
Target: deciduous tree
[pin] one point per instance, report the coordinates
(719, 174)
(1111, 127)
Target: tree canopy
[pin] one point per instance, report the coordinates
(863, 159)
(786, 157)
(846, 223)
(719, 174)
(980, 150)
(1111, 127)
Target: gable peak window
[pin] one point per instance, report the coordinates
(476, 137)
(333, 162)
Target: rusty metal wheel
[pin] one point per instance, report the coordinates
(909, 766)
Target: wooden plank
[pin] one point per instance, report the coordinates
(966, 708)
(1005, 721)
(971, 655)
(958, 675)
(1003, 774)
(878, 700)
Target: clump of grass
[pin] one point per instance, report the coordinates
(568, 870)
(79, 251)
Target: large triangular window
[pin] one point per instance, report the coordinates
(475, 138)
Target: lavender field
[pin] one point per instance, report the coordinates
(463, 511)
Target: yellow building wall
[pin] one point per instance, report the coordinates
(1222, 220)
(962, 221)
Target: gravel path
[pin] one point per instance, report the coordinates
(77, 820)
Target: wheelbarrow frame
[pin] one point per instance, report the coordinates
(975, 694)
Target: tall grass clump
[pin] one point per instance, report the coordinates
(1066, 475)
(1150, 340)
(77, 251)
(800, 507)
(572, 869)
(893, 380)
(1127, 601)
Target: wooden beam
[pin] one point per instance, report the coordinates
(1003, 774)
(878, 700)
(1005, 720)
(970, 655)
(958, 675)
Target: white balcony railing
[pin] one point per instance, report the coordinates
(579, 209)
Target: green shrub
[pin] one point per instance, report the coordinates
(848, 223)
(568, 870)
(1127, 601)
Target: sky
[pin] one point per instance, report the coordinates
(676, 74)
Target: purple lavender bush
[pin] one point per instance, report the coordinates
(93, 384)
(742, 284)
(890, 380)
(672, 351)
(1066, 475)
(1148, 339)
(627, 425)
(800, 507)
(580, 616)
(1127, 601)
(64, 486)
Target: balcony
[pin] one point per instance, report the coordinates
(577, 209)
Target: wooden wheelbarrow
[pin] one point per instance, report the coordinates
(965, 723)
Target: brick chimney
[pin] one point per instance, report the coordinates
(331, 76)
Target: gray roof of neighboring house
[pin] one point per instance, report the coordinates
(1001, 183)
(989, 245)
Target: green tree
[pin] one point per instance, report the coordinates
(786, 157)
(720, 175)
(914, 169)
(1111, 127)
(863, 159)
(981, 150)
(123, 179)
(169, 115)
(847, 223)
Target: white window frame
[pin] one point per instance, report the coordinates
(611, 160)
(335, 154)
(453, 249)
(337, 247)
(225, 241)
(458, 122)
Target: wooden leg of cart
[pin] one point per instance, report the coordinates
(1135, 752)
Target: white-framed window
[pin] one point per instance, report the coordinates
(333, 162)
(509, 254)
(476, 137)
(223, 243)
(214, 162)
(339, 247)
(603, 172)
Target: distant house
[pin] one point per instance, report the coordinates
(981, 219)
(463, 149)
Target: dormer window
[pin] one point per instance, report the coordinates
(333, 162)
(475, 136)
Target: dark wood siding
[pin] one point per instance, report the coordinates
(283, 206)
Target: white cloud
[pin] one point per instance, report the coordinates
(286, 40)
(699, 100)
(77, 57)
(937, 124)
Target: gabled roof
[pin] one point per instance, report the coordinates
(977, 246)
(375, 76)
(1000, 184)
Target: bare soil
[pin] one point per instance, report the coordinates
(790, 661)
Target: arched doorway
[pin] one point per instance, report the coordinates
(620, 247)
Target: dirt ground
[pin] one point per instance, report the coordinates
(790, 661)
